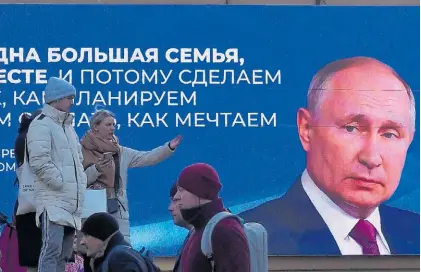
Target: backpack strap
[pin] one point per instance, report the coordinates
(26, 156)
(25, 160)
(206, 241)
(16, 182)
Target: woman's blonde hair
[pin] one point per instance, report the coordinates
(99, 116)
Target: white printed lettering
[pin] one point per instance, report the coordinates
(67, 76)
(102, 80)
(118, 58)
(7, 119)
(83, 52)
(80, 95)
(82, 73)
(225, 119)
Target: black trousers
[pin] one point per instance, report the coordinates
(29, 239)
(86, 264)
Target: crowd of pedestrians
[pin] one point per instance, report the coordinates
(54, 236)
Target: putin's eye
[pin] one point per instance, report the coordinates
(350, 128)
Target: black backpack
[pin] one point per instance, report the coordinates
(144, 260)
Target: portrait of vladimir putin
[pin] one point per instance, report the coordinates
(356, 130)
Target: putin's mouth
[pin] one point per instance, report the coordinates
(365, 180)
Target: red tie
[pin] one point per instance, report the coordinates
(364, 233)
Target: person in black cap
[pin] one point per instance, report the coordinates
(107, 248)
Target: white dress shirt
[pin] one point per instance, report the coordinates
(340, 223)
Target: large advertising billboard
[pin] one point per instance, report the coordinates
(310, 115)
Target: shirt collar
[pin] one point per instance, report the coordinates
(339, 222)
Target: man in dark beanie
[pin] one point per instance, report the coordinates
(107, 248)
(197, 195)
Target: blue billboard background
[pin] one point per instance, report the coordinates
(255, 164)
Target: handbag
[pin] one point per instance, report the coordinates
(9, 252)
(113, 203)
(26, 181)
(95, 202)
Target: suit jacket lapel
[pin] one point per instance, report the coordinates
(398, 241)
(312, 233)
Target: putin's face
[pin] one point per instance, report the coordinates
(357, 140)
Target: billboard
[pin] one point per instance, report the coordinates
(230, 79)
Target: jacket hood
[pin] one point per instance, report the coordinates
(27, 119)
(24, 123)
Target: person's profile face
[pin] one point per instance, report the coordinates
(185, 199)
(105, 129)
(65, 103)
(358, 142)
(92, 245)
(174, 209)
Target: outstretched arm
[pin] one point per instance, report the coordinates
(152, 157)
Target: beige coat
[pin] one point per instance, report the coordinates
(131, 158)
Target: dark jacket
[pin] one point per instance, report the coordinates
(177, 267)
(296, 228)
(20, 139)
(120, 261)
(28, 234)
(230, 246)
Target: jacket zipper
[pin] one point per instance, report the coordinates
(74, 166)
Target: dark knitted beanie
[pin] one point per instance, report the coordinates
(201, 180)
(100, 225)
(173, 190)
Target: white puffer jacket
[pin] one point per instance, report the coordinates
(55, 157)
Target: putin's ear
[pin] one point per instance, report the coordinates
(304, 127)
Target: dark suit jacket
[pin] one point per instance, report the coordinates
(295, 227)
